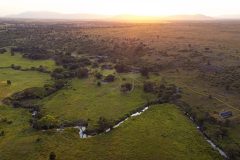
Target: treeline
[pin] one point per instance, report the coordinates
(23, 98)
(39, 69)
(34, 53)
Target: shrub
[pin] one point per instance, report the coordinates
(59, 84)
(2, 133)
(58, 73)
(29, 93)
(52, 156)
(9, 82)
(144, 72)
(82, 73)
(99, 84)
(46, 122)
(126, 87)
(109, 78)
(122, 68)
(103, 124)
(2, 50)
(98, 75)
(95, 65)
(36, 56)
(149, 86)
(15, 67)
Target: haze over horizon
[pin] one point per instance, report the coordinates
(155, 8)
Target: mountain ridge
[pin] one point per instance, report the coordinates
(123, 17)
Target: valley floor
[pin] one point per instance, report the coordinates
(162, 132)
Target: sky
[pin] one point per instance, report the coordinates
(117, 7)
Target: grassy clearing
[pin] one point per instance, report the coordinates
(7, 60)
(18, 139)
(160, 133)
(196, 93)
(85, 100)
(20, 81)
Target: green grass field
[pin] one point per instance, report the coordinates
(7, 60)
(85, 100)
(20, 81)
(17, 138)
(162, 132)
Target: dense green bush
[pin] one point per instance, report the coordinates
(109, 78)
(46, 122)
(103, 124)
(126, 87)
(98, 75)
(82, 73)
(149, 87)
(122, 68)
(144, 71)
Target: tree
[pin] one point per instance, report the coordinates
(121, 68)
(82, 73)
(144, 72)
(126, 87)
(2, 50)
(15, 67)
(99, 84)
(109, 78)
(12, 53)
(103, 124)
(9, 82)
(2, 133)
(98, 75)
(148, 87)
(52, 156)
(59, 84)
(47, 122)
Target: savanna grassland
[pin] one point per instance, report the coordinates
(88, 101)
(7, 60)
(151, 135)
(56, 76)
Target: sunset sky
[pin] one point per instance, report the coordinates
(115, 7)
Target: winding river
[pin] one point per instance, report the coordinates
(214, 146)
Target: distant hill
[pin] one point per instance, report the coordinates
(229, 17)
(134, 18)
(190, 17)
(128, 18)
(55, 15)
(160, 18)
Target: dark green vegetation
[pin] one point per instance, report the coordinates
(104, 72)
